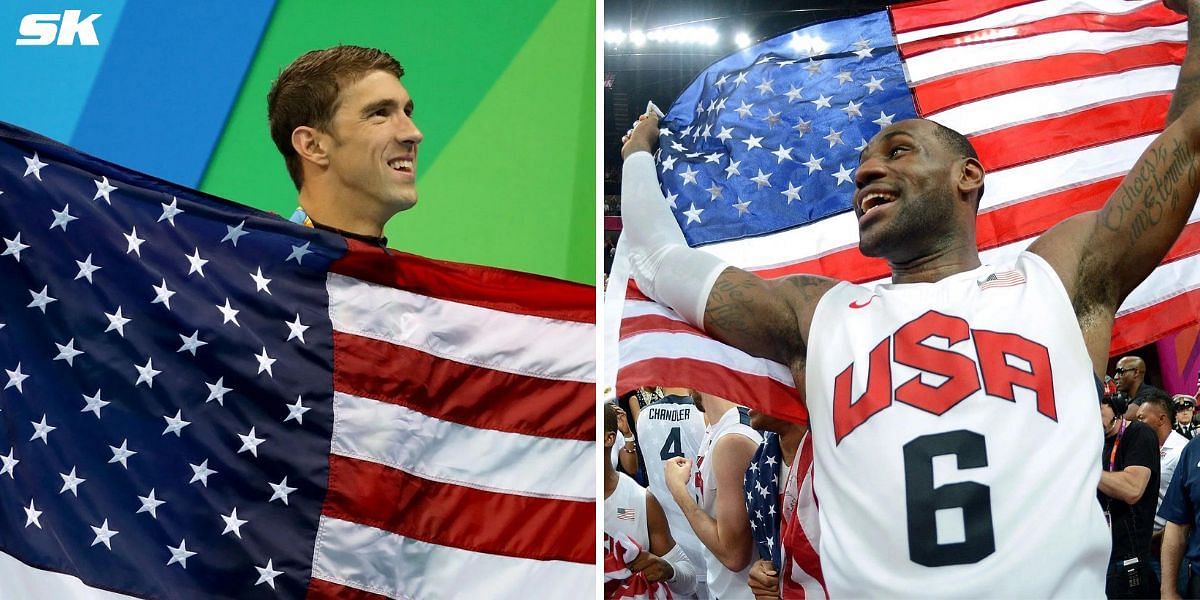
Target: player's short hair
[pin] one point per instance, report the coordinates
(306, 93)
(610, 418)
(960, 146)
(1164, 403)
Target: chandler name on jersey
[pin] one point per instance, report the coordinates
(956, 435)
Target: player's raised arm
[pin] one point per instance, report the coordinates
(1101, 256)
(769, 319)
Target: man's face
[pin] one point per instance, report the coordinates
(373, 154)
(1153, 416)
(1183, 414)
(904, 199)
(1126, 374)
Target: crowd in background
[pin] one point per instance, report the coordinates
(731, 493)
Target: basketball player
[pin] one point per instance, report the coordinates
(673, 427)
(948, 407)
(630, 513)
(717, 511)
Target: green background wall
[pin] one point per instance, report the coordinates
(505, 96)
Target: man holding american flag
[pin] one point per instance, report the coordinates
(942, 381)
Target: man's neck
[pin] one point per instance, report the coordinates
(610, 476)
(789, 442)
(954, 258)
(344, 216)
(1115, 427)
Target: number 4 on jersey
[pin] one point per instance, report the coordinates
(672, 447)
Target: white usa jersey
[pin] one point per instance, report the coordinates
(625, 512)
(672, 427)
(722, 583)
(956, 438)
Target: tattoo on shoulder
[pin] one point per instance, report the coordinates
(1152, 190)
(729, 302)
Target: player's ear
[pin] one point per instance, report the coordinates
(970, 177)
(311, 144)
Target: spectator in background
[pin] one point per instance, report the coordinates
(1131, 382)
(673, 427)
(718, 513)
(1130, 467)
(1158, 411)
(1185, 409)
(639, 551)
(624, 451)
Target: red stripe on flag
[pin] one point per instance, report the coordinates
(458, 516)
(1038, 140)
(1141, 327)
(1151, 15)
(770, 396)
(947, 92)
(799, 546)
(640, 324)
(489, 287)
(934, 13)
(453, 391)
(319, 589)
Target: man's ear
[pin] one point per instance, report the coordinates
(970, 177)
(311, 145)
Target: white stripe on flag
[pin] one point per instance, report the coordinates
(1037, 103)
(659, 345)
(957, 59)
(447, 452)
(463, 333)
(19, 580)
(366, 558)
(1027, 13)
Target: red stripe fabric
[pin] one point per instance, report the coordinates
(923, 15)
(773, 398)
(457, 392)
(956, 89)
(459, 516)
(488, 287)
(1148, 16)
(1094, 126)
(1135, 329)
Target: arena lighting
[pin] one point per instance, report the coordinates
(681, 34)
(808, 44)
(614, 37)
(685, 34)
(742, 39)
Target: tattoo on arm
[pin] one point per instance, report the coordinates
(1154, 190)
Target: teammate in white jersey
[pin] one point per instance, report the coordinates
(632, 514)
(715, 507)
(671, 427)
(952, 417)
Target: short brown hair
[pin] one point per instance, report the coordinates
(306, 93)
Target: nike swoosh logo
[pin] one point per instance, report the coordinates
(855, 303)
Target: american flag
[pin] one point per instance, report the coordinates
(620, 583)
(756, 157)
(203, 400)
(626, 514)
(762, 497)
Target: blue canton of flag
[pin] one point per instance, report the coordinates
(161, 350)
(762, 497)
(767, 139)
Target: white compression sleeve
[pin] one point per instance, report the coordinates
(661, 262)
(684, 581)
